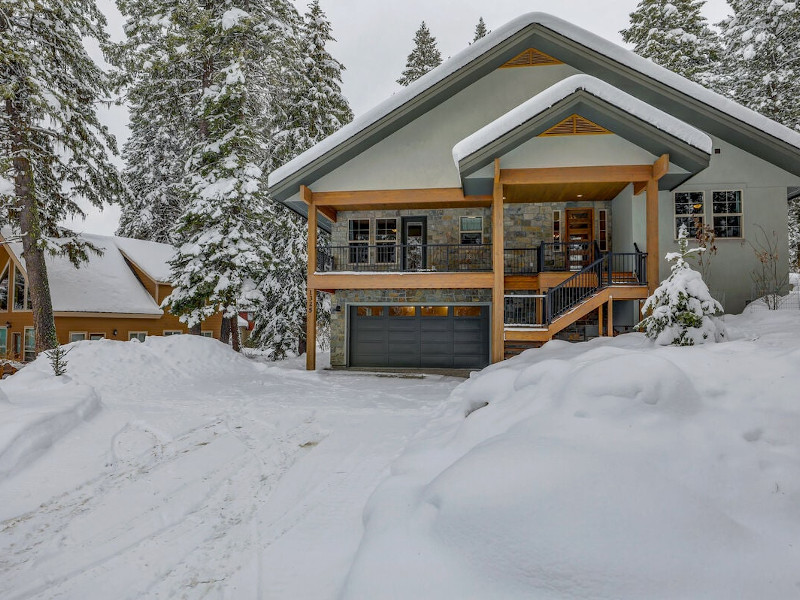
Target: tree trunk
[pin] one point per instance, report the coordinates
(196, 329)
(234, 325)
(38, 286)
(225, 331)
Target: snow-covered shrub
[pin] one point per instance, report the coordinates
(681, 311)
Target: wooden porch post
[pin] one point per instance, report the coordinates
(498, 268)
(600, 321)
(610, 328)
(311, 293)
(652, 235)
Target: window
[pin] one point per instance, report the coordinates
(172, 332)
(385, 239)
(556, 225)
(137, 335)
(4, 288)
(602, 230)
(435, 311)
(209, 334)
(97, 336)
(358, 238)
(30, 345)
(727, 208)
(471, 232)
(3, 341)
(402, 311)
(77, 336)
(466, 311)
(689, 206)
(21, 299)
(369, 311)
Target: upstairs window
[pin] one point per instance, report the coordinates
(727, 208)
(602, 230)
(385, 240)
(4, 288)
(471, 232)
(21, 299)
(556, 226)
(358, 239)
(689, 206)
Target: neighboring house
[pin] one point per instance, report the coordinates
(526, 189)
(114, 296)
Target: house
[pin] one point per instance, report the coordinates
(116, 295)
(528, 188)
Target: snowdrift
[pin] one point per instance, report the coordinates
(611, 469)
(37, 408)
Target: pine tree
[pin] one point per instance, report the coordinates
(681, 311)
(316, 109)
(675, 35)
(424, 57)
(794, 234)
(480, 30)
(54, 153)
(762, 57)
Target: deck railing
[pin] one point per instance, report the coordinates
(399, 258)
(525, 310)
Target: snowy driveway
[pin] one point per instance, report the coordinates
(229, 481)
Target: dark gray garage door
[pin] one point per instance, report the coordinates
(442, 337)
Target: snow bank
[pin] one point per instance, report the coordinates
(610, 469)
(37, 408)
(563, 89)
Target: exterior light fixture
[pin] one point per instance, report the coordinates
(114, 333)
(580, 195)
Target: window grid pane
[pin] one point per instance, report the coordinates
(471, 231)
(689, 211)
(727, 207)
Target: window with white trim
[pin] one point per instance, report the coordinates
(173, 332)
(727, 213)
(137, 335)
(471, 231)
(3, 341)
(208, 334)
(30, 344)
(602, 230)
(385, 240)
(689, 210)
(77, 336)
(358, 239)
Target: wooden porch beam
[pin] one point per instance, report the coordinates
(498, 268)
(308, 196)
(606, 174)
(389, 281)
(661, 167)
(311, 293)
(399, 199)
(639, 187)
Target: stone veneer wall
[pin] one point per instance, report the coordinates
(526, 225)
(395, 296)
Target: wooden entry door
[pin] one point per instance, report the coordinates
(580, 233)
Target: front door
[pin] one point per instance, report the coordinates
(415, 237)
(580, 233)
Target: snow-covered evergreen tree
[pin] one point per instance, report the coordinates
(675, 35)
(681, 311)
(794, 235)
(480, 30)
(762, 57)
(424, 57)
(316, 109)
(54, 153)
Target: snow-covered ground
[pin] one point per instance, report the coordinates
(187, 471)
(610, 469)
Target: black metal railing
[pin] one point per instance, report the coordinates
(566, 256)
(525, 310)
(405, 258)
(522, 261)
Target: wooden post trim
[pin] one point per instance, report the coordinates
(610, 327)
(498, 268)
(600, 320)
(652, 235)
(311, 293)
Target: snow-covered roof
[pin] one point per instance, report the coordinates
(104, 284)
(380, 115)
(151, 257)
(565, 88)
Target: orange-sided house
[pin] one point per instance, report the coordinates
(528, 188)
(115, 296)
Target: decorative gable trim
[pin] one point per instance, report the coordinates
(575, 125)
(531, 58)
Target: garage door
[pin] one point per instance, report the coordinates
(442, 337)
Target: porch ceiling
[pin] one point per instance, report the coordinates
(563, 192)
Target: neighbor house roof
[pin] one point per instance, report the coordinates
(572, 45)
(151, 257)
(103, 284)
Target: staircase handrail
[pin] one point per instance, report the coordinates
(597, 267)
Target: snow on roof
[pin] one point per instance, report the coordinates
(590, 40)
(565, 88)
(104, 284)
(151, 257)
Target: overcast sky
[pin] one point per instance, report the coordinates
(374, 37)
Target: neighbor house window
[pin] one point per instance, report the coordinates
(97, 336)
(172, 332)
(471, 232)
(727, 209)
(30, 345)
(3, 341)
(602, 230)
(4, 288)
(209, 334)
(21, 299)
(358, 238)
(137, 335)
(385, 240)
(556, 226)
(689, 208)
(77, 336)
